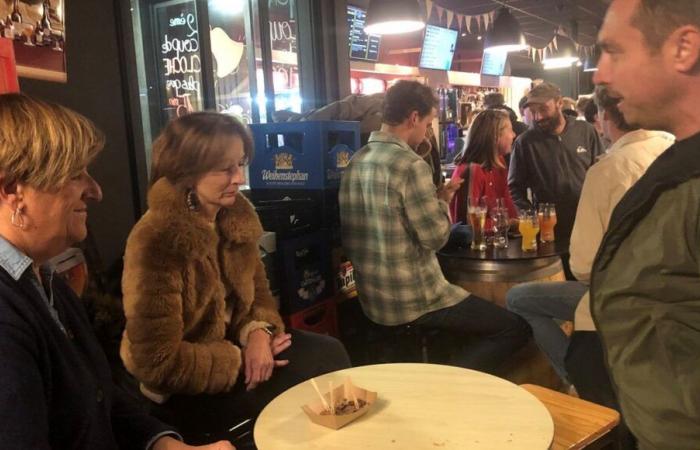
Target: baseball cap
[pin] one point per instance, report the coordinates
(543, 92)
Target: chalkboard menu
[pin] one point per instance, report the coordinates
(178, 64)
(362, 45)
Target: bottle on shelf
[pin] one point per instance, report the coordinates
(46, 17)
(16, 15)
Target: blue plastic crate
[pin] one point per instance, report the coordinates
(302, 155)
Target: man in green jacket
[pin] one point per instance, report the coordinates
(645, 282)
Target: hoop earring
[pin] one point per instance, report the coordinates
(17, 219)
(192, 200)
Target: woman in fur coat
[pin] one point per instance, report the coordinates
(203, 335)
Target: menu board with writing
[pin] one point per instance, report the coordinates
(362, 45)
(178, 60)
(493, 63)
(438, 48)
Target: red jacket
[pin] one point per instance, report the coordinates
(492, 184)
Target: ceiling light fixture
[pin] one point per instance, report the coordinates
(563, 56)
(505, 35)
(590, 62)
(394, 17)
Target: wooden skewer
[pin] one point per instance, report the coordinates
(323, 400)
(330, 389)
(354, 397)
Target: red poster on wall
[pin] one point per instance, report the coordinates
(8, 70)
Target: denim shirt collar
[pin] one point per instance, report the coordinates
(13, 260)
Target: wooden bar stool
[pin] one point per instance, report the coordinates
(577, 423)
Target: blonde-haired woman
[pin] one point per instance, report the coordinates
(203, 335)
(56, 389)
(482, 164)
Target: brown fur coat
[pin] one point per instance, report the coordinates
(180, 274)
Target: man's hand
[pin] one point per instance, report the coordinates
(447, 191)
(170, 443)
(258, 358)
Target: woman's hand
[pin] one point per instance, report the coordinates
(170, 443)
(280, 343)
(258, 358)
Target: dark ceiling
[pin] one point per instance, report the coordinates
(540, 18)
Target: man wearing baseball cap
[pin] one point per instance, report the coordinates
(551, 159)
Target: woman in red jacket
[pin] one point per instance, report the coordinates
(482, 165)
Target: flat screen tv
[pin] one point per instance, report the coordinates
(438, 48)
(494, 63)
(362, 45)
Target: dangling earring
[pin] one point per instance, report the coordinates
(192, 200)
(17, 219)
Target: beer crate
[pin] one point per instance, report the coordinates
(320, 318)
(305, 271)
(302, 155)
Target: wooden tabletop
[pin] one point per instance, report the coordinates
(419, 406)
(513, 252)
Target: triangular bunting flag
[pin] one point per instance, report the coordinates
(556, 43)
(478, 22)
(456, 23)
(487, 17)
(428, 8)
(533, 53)
(450, 14)
(468, 23)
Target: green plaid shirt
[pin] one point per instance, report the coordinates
(392, 225)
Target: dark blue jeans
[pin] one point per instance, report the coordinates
(491, 333)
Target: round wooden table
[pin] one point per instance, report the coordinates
(491, 273)
(419, 406)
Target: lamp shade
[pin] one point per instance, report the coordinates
(506, 35)
(564, 55)
(394, 17)
(590, 62)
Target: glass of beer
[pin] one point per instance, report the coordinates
(547, 215)
(529, 226)
(476, 212)
(499, 218)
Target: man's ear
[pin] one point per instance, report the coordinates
(684, 44)
(413, 118)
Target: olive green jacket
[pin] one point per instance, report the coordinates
(645, 301)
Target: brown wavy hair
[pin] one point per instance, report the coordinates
(195, 144)
(482, 139)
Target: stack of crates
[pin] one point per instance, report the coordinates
(294, 179)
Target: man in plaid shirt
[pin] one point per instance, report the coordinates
(393, 222)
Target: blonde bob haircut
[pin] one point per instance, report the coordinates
(43, 144)
(195, 144)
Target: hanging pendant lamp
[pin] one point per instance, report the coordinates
(590, 62)
(505, 35)
(394, 17)
(563, 56)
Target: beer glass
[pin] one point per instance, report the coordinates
(499, 218)
(529, 226)
(476, 212)
(547, 215)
